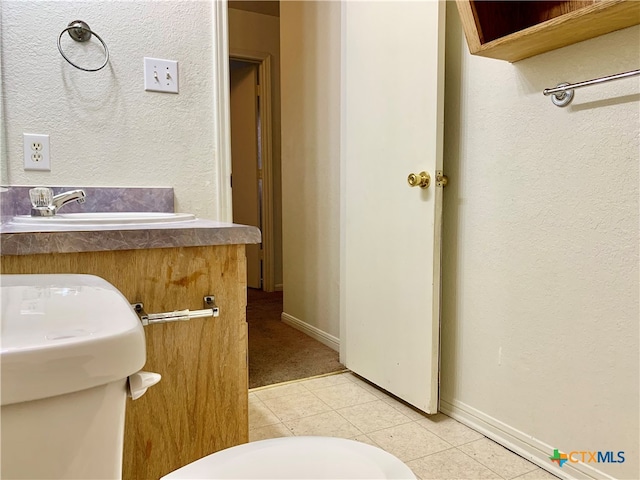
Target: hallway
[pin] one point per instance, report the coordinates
(280, 353)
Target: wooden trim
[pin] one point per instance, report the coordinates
(266, 121)
(221, 109)
(289, 382)
(314, 332)
(469, 25)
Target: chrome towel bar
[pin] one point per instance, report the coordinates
(563, 93)
(178, 315)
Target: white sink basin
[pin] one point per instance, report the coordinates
(105, 218)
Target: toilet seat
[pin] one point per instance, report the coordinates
(297, 458)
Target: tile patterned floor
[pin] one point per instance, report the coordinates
(434, 447)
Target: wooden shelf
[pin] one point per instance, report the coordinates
(514, 30)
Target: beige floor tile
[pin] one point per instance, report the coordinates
(538, 474)
(365, 439)
(449, 429)
(260, 415)
(408, 441)
(269, 431)
(502, 461)
(367, 386)
(410, 412)
(325, 406)
(373, 416)
(281, 391)
(328, 424)
(328, 381)
(450, 464)
(296, 406)
(344, 395)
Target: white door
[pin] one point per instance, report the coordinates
(243, 79)
(393, 76)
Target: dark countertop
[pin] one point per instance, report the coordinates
(20, 239)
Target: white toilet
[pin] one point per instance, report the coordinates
(297, 458)
(72, 348)
(69, 344)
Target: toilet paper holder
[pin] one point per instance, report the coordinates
(210, 310)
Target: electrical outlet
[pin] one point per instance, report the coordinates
(160, 75)
(36, 152)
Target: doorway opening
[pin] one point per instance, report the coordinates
(278, 351)
(251, 159)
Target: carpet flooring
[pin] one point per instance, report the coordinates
(280, 353)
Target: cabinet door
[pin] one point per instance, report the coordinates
(201, 404)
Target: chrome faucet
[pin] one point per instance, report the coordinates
(45, 204)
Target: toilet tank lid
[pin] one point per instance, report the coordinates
(63, 333)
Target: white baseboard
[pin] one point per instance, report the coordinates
(314, 332)
(278, 287)
(519, 442)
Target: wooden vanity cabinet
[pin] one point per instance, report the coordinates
(514, 30)
(201, 404)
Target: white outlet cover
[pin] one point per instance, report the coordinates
(160, 75)
(36, 152)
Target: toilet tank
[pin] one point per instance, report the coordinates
(68, 344)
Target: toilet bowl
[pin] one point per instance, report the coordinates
(71, 351)
(297, 458)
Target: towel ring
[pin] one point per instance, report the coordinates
(80, 32)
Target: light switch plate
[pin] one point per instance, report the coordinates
(160, 75)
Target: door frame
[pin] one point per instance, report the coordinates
(221, 110)
(263, 62)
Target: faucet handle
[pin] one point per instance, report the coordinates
(41, 196)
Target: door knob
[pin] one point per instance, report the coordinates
(422, 179)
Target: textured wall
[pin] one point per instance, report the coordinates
(105, 130)
(540, 268)
(310, 83)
